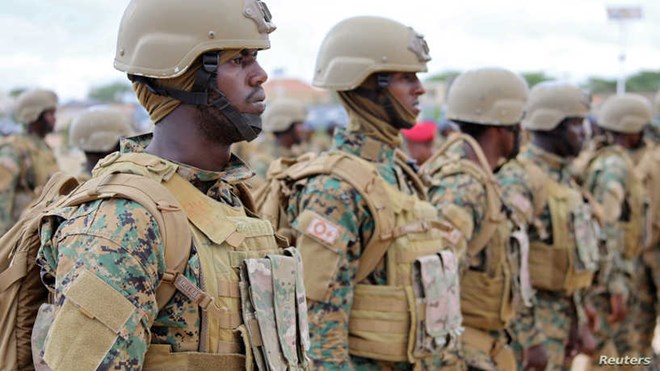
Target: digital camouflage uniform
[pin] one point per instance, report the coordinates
(342, 204)
(466, 192)
(649, 277)
(26, 163)
(615, 182)
(130, 258)
(553, 312)
(606, 177)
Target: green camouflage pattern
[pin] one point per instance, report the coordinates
(616, 275)
(461, 189)
(549, 322)
(469, 193)
(340, 203)
(119, 241)
(26, 163)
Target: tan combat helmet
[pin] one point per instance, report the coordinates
(550, 103)
(98, 129)
(487, 96)
(161, 38)
(281, 113)
(360, 46)
(626, 114)
(32, 103)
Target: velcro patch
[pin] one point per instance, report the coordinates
(323, 229)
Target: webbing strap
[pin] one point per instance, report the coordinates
(494, 214)
(380, 304)
(228, 289)
(16, 271)
(365, 179)
(159, 357)
(379, 326)
(160, 203)
(389, 348)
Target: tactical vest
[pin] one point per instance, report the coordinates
(251, 293)
(569, 263)
(634, 220)
(649, 172)
(487, 292)
(417, 312)
(42, 165)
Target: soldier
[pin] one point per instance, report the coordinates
(194, 68)
(283, 119)
(563, 248)
(26, 161)
(649, 277)
(487, 105)
(97, 132)
(357, 216)
(420, 140)
(611, 177)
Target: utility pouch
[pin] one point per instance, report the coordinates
(270, 305)
(437, 302)
(520, 242)
(585, 238)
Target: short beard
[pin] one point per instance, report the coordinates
(215, 126)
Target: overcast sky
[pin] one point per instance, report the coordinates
(68, 45)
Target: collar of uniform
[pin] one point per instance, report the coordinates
(358, 144)
(556, 166)
(235, 170)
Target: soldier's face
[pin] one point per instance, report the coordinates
(574, 136)
(240, 80)
(49, 121)
(407, 88)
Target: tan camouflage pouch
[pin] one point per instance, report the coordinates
(586, 239)
(437, 303)
(271, 293)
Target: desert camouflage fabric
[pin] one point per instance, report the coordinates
(549, 321)
(26, 163)
(119, 243)
(344, 208)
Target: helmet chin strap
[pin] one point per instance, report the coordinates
(248, 125)
(382, 99)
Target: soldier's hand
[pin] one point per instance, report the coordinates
(618, 307)
(586, 340)
(535, 357)
(592, 317)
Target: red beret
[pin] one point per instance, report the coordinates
(421, 132)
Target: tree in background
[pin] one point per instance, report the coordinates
(534, 78)
(110, 93)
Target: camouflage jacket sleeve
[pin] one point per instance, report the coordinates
(461, 200)
(518, 196)
(10, 170)
(105, 254)
(330, 260)
(607, 181)
(517, 191)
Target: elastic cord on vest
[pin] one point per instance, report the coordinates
(248, 125)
